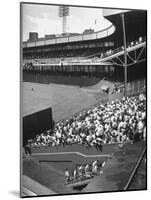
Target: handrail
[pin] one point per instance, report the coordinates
(88, 59)
(117, 49)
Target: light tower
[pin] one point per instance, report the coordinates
(64, 12)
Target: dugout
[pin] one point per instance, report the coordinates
(37, 123)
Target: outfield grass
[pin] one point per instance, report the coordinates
(64, 100)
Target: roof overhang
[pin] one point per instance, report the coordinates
(109, 12)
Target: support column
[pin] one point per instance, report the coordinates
(125, 55)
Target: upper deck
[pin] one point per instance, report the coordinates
(68, 39)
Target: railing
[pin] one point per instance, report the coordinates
(119, 49)
(85, 60)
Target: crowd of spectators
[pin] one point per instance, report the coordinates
(110, 52)
(115, 122)
(75, 57)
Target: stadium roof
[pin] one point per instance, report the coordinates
(109, 12)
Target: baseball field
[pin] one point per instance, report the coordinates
(46, 165)
(65, 100)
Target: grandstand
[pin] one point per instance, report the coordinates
(99, 54)
(112, 132)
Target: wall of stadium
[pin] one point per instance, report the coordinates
(74, 68)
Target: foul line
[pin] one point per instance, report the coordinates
(64, 153)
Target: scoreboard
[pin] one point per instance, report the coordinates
(36, 123)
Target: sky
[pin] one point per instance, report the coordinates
(44, 19)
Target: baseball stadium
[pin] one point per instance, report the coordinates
(84, 108)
